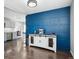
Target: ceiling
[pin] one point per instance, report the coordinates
(20, 6)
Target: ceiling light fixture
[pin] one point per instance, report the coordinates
(32, 3)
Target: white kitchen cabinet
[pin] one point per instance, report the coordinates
(8, 23)
(45, 41)
(8, 36)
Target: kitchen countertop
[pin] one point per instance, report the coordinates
(42, 35)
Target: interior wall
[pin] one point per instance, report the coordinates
(72, 30)
(54, 21)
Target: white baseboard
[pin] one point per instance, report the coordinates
(72, 53)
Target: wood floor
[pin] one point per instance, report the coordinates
(17, 50)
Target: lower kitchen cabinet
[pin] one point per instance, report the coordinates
(47, 42)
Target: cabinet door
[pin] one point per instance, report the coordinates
(9, 36)
(36, 41)
(42, 42)
(50, 42)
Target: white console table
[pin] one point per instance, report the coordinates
(43, 41)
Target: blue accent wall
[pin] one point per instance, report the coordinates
(53, 21)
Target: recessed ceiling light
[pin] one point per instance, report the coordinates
(32, 3)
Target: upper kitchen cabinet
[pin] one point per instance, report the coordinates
(8, 23)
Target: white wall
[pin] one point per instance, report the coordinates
(72, 31)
